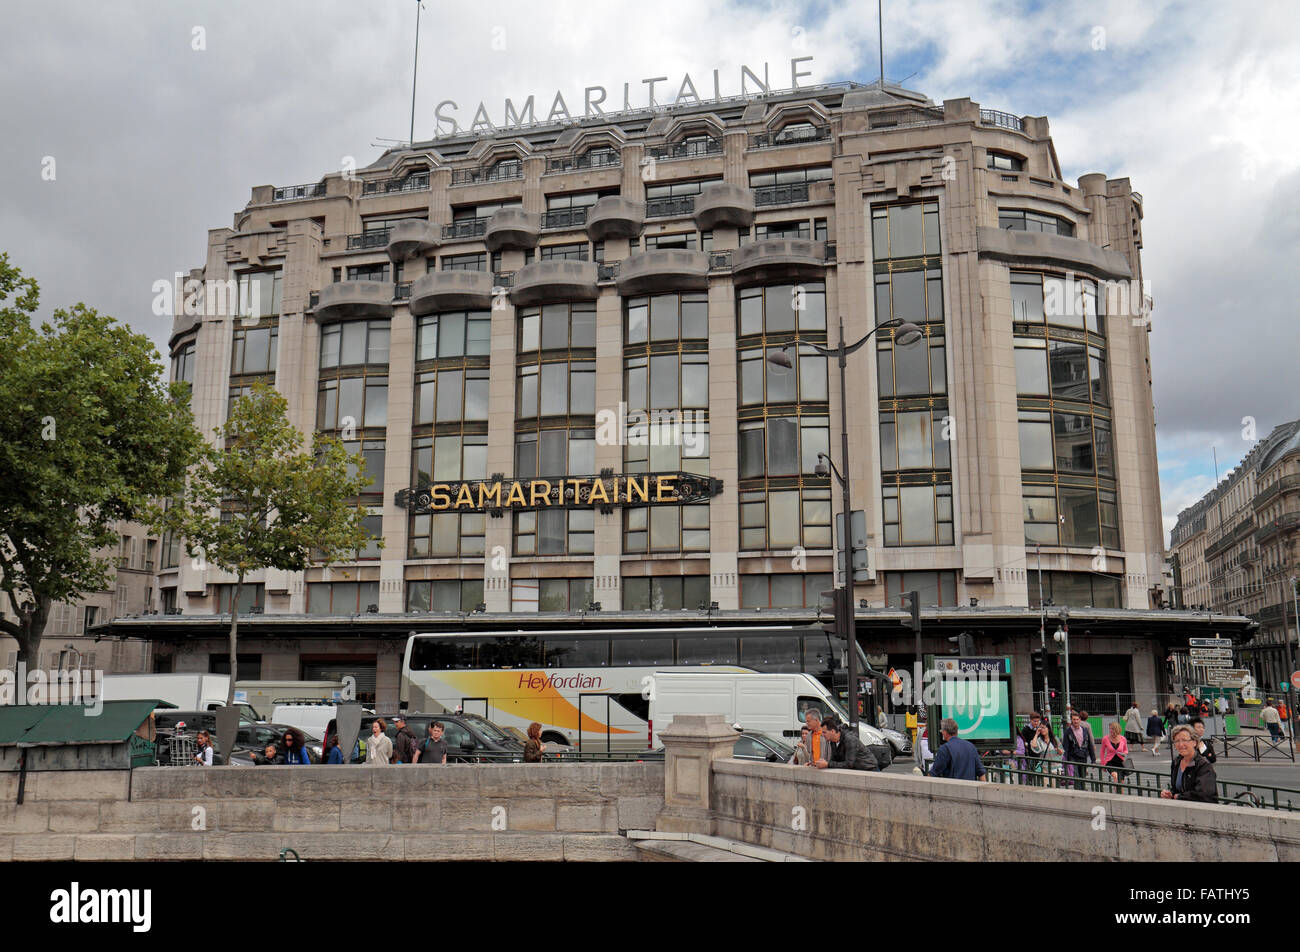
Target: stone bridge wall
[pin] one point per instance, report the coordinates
(456, 812)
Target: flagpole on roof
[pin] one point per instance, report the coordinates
(880, 21)
(415, 72)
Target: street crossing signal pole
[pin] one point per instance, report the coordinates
(913, 599)
(1042, 636)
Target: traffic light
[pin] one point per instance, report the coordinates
(912, 601)
(1039, 658)
(955, 640)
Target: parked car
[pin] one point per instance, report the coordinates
(467, 736)
(899, 742)
(755, 745)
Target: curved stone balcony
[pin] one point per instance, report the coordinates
(779, 259)
(614, 217)
(560, 280)
(1034, 249)
(344, 300)
(450, 291)
(663, 270)
(721, 203)
(410, 238)
(511, 228)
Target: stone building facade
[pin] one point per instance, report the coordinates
(601, 296)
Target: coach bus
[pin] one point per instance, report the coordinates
(591, 688)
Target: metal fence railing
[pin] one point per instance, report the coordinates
(1093, 778)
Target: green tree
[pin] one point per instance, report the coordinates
(254, 501)
(88, 435)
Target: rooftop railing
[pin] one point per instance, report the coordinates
(292, 193)
(1003, 120)
(592, 160)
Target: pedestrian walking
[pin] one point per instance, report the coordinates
(882, 721)
(1191, 776)
(404, 744)
(847, 751)
(910, 721)
(1204, 742)
(1171, 717)
(434, 748)
(533, 747)
(379, 749)
(956, 758)
(295, 747)
(1079, 750)
(1155, 731)
(1133, 726)
(1283, 715)
(1272, 720)
(1114, 750)
(203, 749)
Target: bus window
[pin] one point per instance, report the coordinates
(706, 651)
(510, 652)
(770, 654)
(577, 652)
(631, 652)
(442, 654)
(821, 655)
(634, 704)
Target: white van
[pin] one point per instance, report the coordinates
(189, 692)
(265, 695)
(771, 703)
(309, 718)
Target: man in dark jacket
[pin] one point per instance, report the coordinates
(847, 750)
(404, 744)
(956, 759)
(1191, 776)
(1079, 748)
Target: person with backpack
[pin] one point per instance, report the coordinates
(404, 744)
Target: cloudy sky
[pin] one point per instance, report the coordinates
(132, 128)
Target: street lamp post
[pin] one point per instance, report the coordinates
(905, 333)
(1062, 637)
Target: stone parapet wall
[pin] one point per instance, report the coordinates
(847, 815)
(457, 812)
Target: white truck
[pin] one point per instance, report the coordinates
(265, 695)
(189, 692)
(771, 703)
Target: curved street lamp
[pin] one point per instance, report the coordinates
(905, 334)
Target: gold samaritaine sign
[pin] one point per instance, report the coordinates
(565, 492)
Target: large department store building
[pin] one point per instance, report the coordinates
(585, 308)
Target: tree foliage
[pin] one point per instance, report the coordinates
(88, 436)
(255, 500)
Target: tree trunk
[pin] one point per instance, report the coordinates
(234, 628)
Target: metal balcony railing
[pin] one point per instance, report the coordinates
(416, 182)
(1270, 492)
(670, 207)
(607, 272)
(291, 193)
(781, 194)
(691, 147)
(1003, 120)
(565, 218)
(499, 173)
(402, 292)
(767, 140)
(592, 160)
(368, 239)
(1288, 520)
(465, 228)
(719, 260)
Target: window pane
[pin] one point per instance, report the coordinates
(350, 396)
(449, 394)
(917, 505)
(751, 451)
(783, 511)
(1069, 367)
(780, 308)
(912, 369)
(905, 231)
(695, 383)
(1079, 517)
(1031, 370)
(377, 346)
(637, 322)
(354, 343)
(695, 317)
(663, 381)
(909, 296)
(555, 326)
(915, 441)
(554, 388)
(1035, 444)
(783, 446)
(529, 332)
(751, 379)
(780, 383)
(584, 327)
(451, 335)
(1073, 442)
(663, 317)
(1027, 298)
(476, 395)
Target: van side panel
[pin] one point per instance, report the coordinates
(765, 703)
